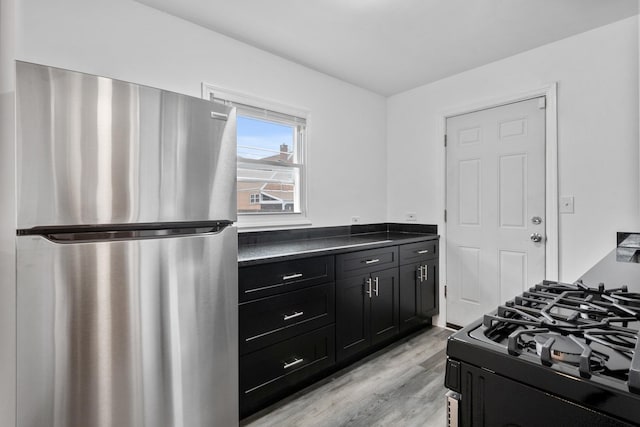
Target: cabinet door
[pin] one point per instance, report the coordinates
(352, 316)
(409, 296)
(384, 305)
(429, 289)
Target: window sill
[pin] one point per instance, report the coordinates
(270, 222)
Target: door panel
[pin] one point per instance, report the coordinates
(495, 186)
(429, 290)
(409, 296)
(469, 192)
(352, 316)
(384, 305)
(93, 150)
(512, 190)
(469, 276)
(127, 333)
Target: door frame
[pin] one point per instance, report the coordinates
(551, 172)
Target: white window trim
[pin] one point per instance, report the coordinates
(270, 220)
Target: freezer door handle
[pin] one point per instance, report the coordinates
(125, 231)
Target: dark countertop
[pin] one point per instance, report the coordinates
(620, 267)
(332, 240)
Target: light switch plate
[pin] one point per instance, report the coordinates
(566, 204)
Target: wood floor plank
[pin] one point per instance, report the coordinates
(401, 385)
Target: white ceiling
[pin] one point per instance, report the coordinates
(389, 46)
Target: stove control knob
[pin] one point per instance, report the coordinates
(536, 237)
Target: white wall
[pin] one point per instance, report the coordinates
(129, 41)
(597, 75)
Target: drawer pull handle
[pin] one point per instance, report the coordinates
(292, 276)
(294, 315)
(424, 251)
(294, 363)
(372, 261)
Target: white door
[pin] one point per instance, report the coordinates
(495, 203)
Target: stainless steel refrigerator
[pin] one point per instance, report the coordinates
(126, 254)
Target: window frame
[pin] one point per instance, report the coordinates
(270, 111)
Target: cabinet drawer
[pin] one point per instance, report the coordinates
(266, 373)
(355, 263)
(269, 279)
(268, 320)
(418, 251)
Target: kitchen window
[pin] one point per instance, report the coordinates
(271, 166)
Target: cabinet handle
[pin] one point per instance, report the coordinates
(372, 261)
(424, 251)
(425, 270)
(376, 288)
(292, 276)
(294, 315)
(294, 363)
(369, 293)
(420, 273)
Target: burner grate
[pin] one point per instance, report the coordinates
(593, 329)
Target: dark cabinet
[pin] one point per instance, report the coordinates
(366, 300)
(418, 283)
(286, 320)
(298, 318)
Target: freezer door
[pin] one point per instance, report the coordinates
(93, 150)
(128, 333)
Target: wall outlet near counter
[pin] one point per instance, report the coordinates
(355, 220)
(411, 216)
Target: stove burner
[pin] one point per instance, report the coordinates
(593, 329)
(561, 348)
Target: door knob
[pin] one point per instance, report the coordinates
(536, 237)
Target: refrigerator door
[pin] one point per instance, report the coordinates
(93, 150)
(128, 333)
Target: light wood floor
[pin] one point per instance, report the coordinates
(401, 385)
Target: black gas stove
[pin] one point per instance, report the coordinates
(559, 354)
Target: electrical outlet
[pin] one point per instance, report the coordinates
(355, 220)
(411, 216)
(566, 204)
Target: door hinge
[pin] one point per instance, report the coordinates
(445, 215)
(445, 291)
(542, 102)
(445, 140)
